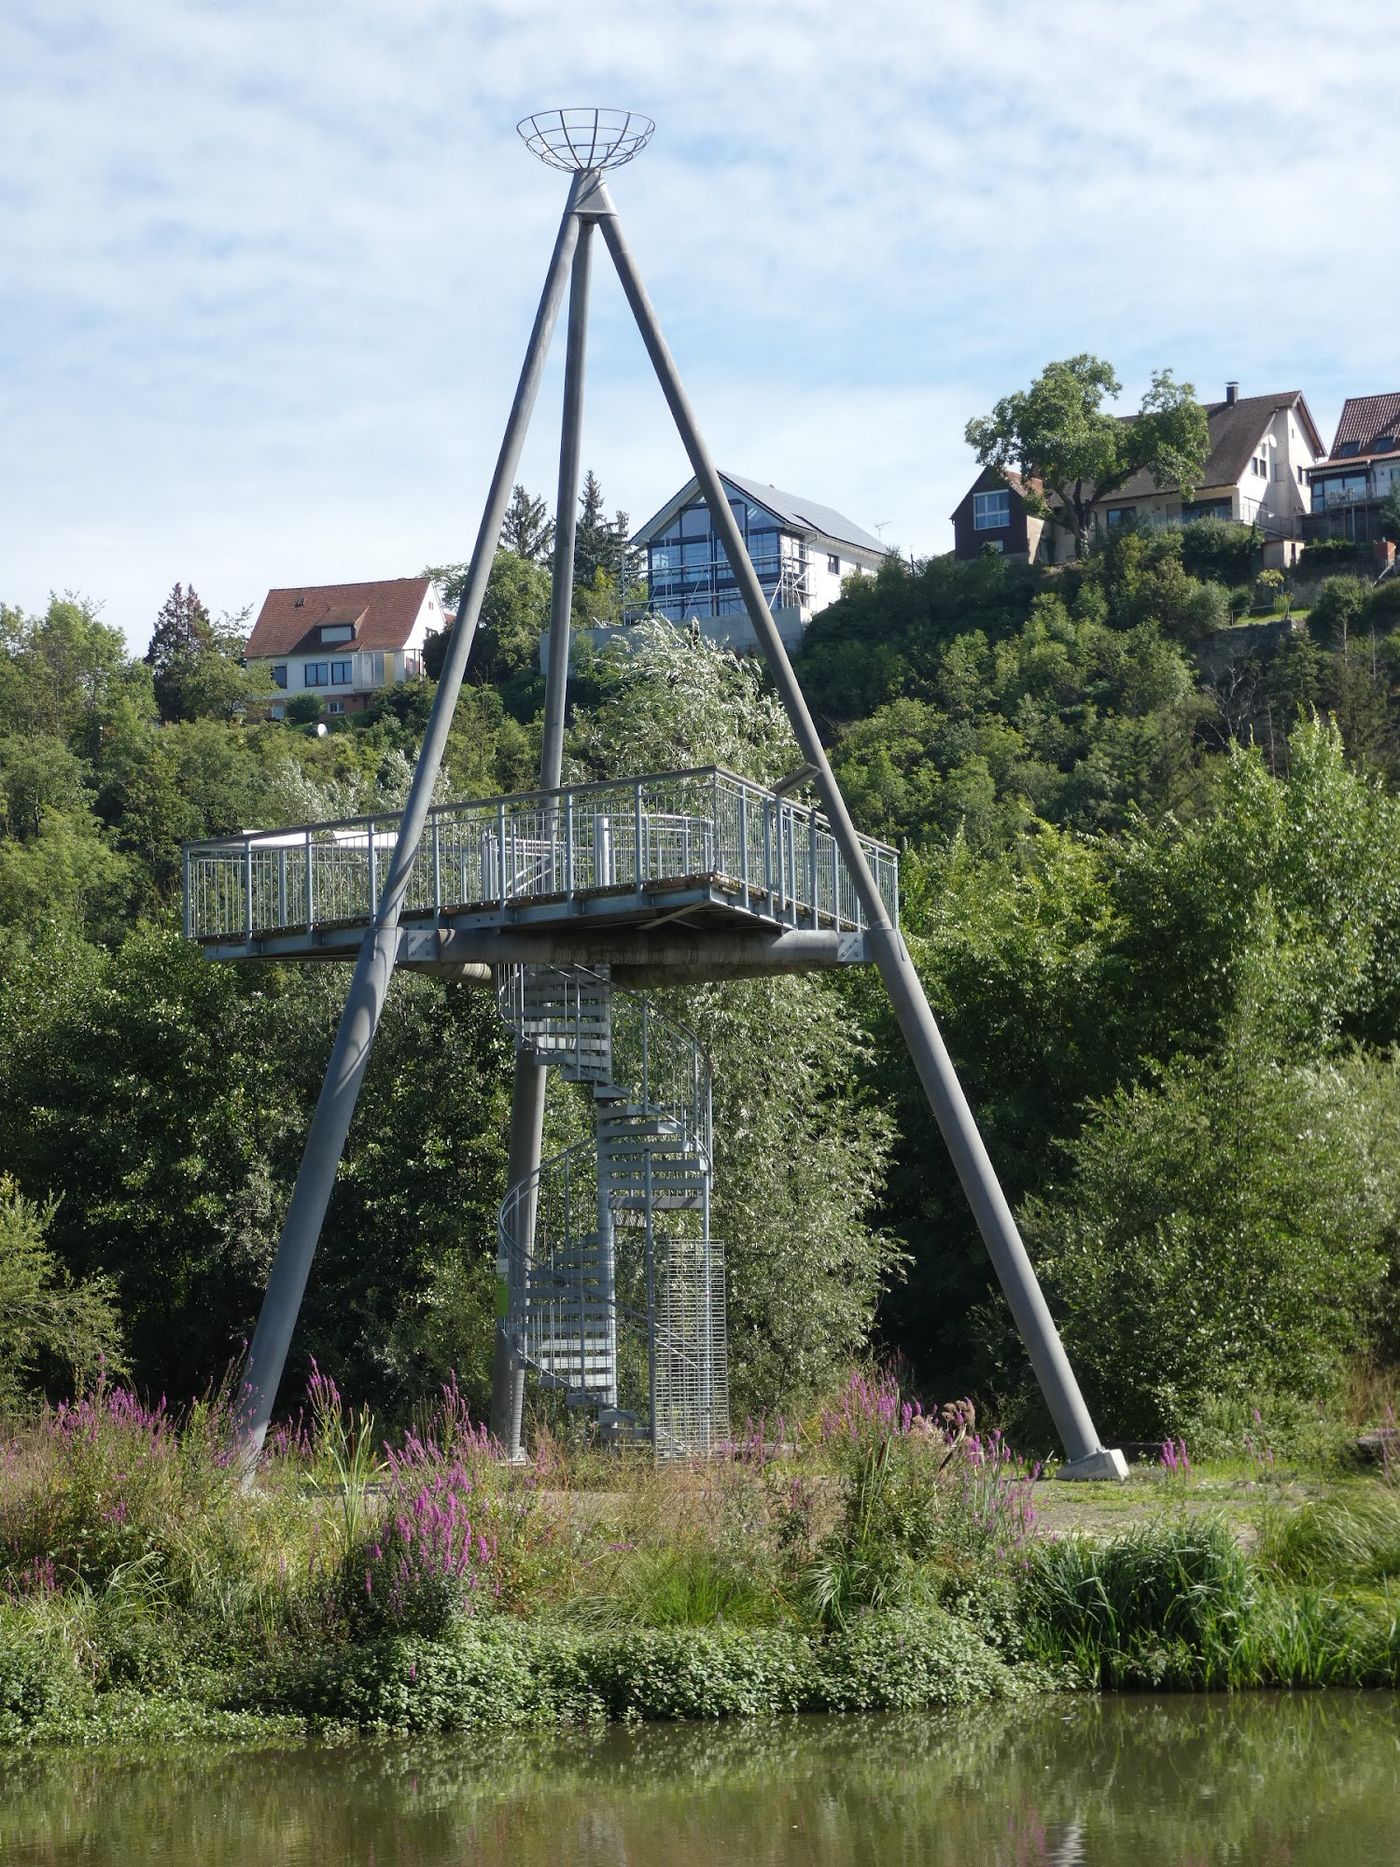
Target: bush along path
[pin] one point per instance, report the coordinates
(865, 1559)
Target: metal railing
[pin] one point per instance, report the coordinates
(775, 856)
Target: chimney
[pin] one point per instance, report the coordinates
(1232, 394)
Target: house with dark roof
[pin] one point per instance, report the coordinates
(1261, 449)
(1346, 489)
(801, 550)
(344, 641)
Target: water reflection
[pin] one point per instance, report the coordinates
(1303, 1779)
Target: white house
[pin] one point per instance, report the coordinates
(1261, 450)
(344, 641)
(800, 549)
(1261, 447)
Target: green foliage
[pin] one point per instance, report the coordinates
(662, 701)
(1220, 550)
(1058, 436)
(1338, 609)
(1329, 554)
(44, 1314)
(1180, 1607)
(1221, 1233)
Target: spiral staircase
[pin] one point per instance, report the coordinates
(614, 1286)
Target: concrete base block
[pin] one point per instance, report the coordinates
(1107, 1465)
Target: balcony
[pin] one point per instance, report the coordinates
(705, 849)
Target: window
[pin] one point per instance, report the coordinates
(337, 632)
(335, 706)
(316, 674)
(411, 665)
(1118, 516)
(300, 603)
(279, 676)
(277, 713)
(991, 510)
(833, 564)
(1260, 466)
(341, 672)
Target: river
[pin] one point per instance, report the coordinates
(1114, 1782)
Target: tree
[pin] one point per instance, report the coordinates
(604, 566)
(1389, 514)
(182, 632)
(527, 530)
(1222, 1236)
(1058, 436)
(45, 1316)
(514, 615)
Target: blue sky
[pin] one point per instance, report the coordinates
(266, 269)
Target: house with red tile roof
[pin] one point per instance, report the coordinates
(1362, 469)
(1261, 450)
(343, 642)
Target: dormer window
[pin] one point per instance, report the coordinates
(337, 632)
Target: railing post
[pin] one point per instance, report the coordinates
(437, 864)
(812, 862)
(770, 818)
(248, 888)
(639, 863)
(501, 853)
(373, 870)
(281, 887)
(188, 906)
(310, 887)
(569, 845)
(744, 844)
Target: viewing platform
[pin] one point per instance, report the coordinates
(691, 873)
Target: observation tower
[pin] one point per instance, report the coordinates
(568, 902)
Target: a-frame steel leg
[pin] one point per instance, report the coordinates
(1087, 1457)
(267, 1357)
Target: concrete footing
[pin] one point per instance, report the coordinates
(1106, 1465)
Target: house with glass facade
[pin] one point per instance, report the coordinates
(801, 550)
(1346, 489)
(342, 642)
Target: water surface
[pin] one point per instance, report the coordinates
(1130, 1782)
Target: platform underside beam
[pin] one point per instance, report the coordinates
(670, 955)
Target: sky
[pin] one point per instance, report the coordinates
(267, 267)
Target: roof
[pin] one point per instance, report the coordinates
(1236, 428)
(382, 615)
(1365, 419)
(790, 509)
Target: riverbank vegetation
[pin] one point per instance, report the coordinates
(862, 1558)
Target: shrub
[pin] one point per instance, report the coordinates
(1220, 550)
(908, 1659)
(41, 1681)
(303, 710)
(1223, 1234)
(1338, 610)
(1331, 554)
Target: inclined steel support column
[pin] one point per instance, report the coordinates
(1086, 1454)
(528, 1094)
(369, 984)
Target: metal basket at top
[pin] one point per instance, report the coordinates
(584, 138)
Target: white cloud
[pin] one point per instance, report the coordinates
(269, 266)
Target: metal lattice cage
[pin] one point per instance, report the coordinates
(580, 137)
